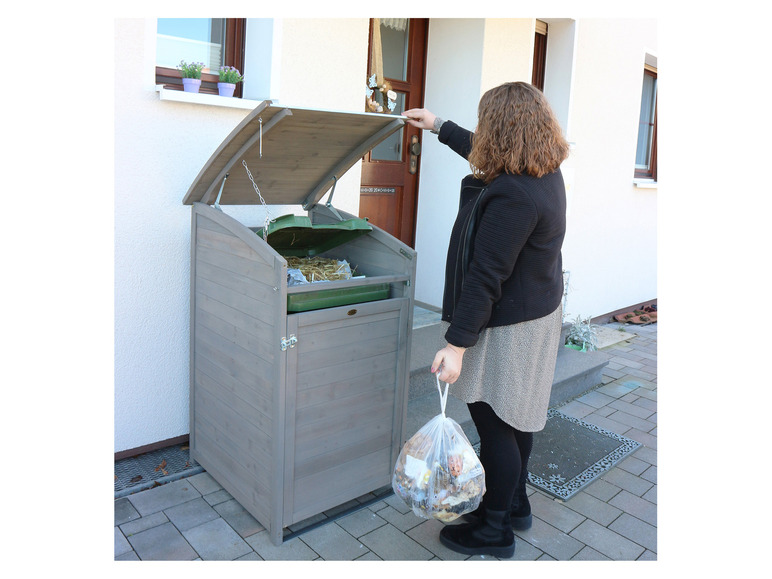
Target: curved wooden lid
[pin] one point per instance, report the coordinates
(303, 152)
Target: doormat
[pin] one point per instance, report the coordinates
(569, 454)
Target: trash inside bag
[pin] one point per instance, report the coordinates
(438, 473)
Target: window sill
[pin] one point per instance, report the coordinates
(645, 183)
(204, 99)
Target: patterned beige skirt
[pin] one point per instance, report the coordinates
(511, 368)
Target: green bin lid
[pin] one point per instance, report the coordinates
(294, 235)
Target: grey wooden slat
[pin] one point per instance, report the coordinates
(227, 243)
(235, 334)
(259, 399)
(241, 321)
(237, 436)
(261, 292)
(339, 353)
(353, 332)
(325, 489)
(234, 479)
(258, 271)
(231, 404)
(237, 301)
(342, 389)
(342, 408)
(323, 436)
(242, 370)
(346, 371)
(341, 319)
(342, 454)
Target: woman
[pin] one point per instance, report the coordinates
(502, 313)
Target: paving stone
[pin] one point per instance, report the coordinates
(647, 556)
(124, 511)
(596, 399)
(627, 482)
(615, 389)
(216, 541)
(647, 439)
(601, 489)
(369, 556)
(636, 530)
(332, 543)
(607, 542)
(550, 540)
(402, 521)
(651, 495)
(121, 544)
(204, 483)
(650, 474)
(162, 543)
(576, 409)
(590, 554)
(238, 518)
(555, 513)
(647, 454)
(633, 465)
(427, 534)
(164, 497)
(391, 545)
(218, 497)
(631, 421)
(632, 382)
(191, 514)
(633, 409)
(604, 422)
(636, 506)
(593, 508)
(361, 522)
(144, 523)
(130, 556)
(292, 550)
(251, 556)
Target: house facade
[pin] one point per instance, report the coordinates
(599, 75)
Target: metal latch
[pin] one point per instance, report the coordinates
(285, 343)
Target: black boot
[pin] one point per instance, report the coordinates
(519, 514)
(490, 535)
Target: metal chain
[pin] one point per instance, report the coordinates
(265, 205)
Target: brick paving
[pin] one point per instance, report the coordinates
(614, 518)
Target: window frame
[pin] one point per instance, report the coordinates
(651, 171)
(233, 46)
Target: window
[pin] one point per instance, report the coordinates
(214, 41)
(539, 55)
(646, 152)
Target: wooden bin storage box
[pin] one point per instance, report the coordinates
(294, 413)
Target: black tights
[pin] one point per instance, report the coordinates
(504, 453)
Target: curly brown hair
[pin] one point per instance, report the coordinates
(517, 132)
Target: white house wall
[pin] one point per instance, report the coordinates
(611, 238)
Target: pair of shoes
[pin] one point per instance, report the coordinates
(519, 514)
(491, 534)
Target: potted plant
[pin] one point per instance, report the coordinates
(229, 76)
(191, 75)
(582, 335)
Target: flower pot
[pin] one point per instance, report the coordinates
(191, 84)
(226, 88)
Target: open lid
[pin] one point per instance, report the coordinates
(303, 152)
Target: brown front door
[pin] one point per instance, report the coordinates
(389, 189)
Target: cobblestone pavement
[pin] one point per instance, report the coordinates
(613, 518)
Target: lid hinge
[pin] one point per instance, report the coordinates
(285, 343)
(222, 186)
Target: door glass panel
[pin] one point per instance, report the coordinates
(391, 148)
(191, 40)
(394, 37)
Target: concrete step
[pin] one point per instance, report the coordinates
(575, 373)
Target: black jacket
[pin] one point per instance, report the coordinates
(515, 270)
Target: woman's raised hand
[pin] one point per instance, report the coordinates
(420, 118)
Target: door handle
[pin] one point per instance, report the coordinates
(415, 150)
